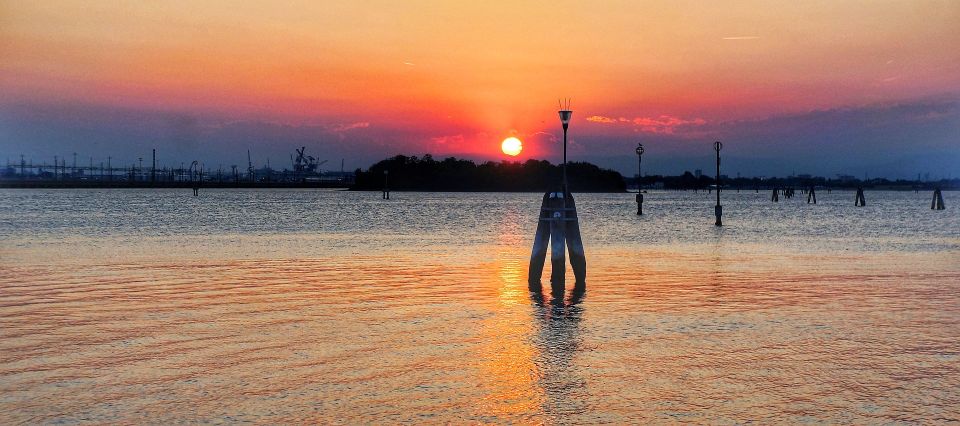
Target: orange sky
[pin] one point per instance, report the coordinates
(478, 70)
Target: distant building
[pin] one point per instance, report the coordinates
(846, 178)
(804, 176)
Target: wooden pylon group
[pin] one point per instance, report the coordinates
(937, 203)
(559, 226)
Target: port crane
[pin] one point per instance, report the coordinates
(306, 164)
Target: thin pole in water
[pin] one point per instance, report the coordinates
(718, 209)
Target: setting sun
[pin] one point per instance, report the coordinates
(511, 146)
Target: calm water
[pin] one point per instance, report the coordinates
(325, 306)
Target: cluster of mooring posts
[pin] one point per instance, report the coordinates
(788, 193)
(859, 201)
(937, 203)
(558, 225)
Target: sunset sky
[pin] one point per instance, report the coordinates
(789, 86)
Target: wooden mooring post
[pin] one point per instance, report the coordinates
(558, 224)
(860, 201)
(639, 203)
(386, 185)
(937, 203)
(775, 197)
(811, 196)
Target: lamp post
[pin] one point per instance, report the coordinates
(639, 152)
(565, 115)
(559, 227)
(718, 210)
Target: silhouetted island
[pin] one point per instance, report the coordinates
(453, 174)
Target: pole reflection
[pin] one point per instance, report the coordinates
(557, 338)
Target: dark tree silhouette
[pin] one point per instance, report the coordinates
(452, 174)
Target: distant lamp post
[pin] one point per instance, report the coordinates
(565, 115)
(718, 210)
(639, 152)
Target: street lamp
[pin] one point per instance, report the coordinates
(639, 151)
(565, 114)
(718, 210)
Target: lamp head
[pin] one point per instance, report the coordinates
(639, 149)
(717, 146)
(565, 115)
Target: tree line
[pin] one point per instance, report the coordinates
(453, 174)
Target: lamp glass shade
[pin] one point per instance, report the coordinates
(639, 150)
(565, 116)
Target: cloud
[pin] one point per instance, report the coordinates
(741, 38)
(350, 126)
(448, 140)
(664, 124)
(550, 136)
(601, 119)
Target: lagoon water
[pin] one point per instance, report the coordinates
(280, 306)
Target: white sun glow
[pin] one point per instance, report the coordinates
(511, 146)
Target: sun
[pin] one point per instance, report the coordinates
(511, 146)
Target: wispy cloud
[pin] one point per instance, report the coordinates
(448, 140)
(601, 119)
(350, 126)
(664, 124)
(741, 38)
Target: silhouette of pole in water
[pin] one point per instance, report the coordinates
(639, 152)
(195, 184)
(776, 195)
(153, 169)
(386, 186)
(558, 224)
(811, 195)
(718, 209)
(937, 203)
(860, 201)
